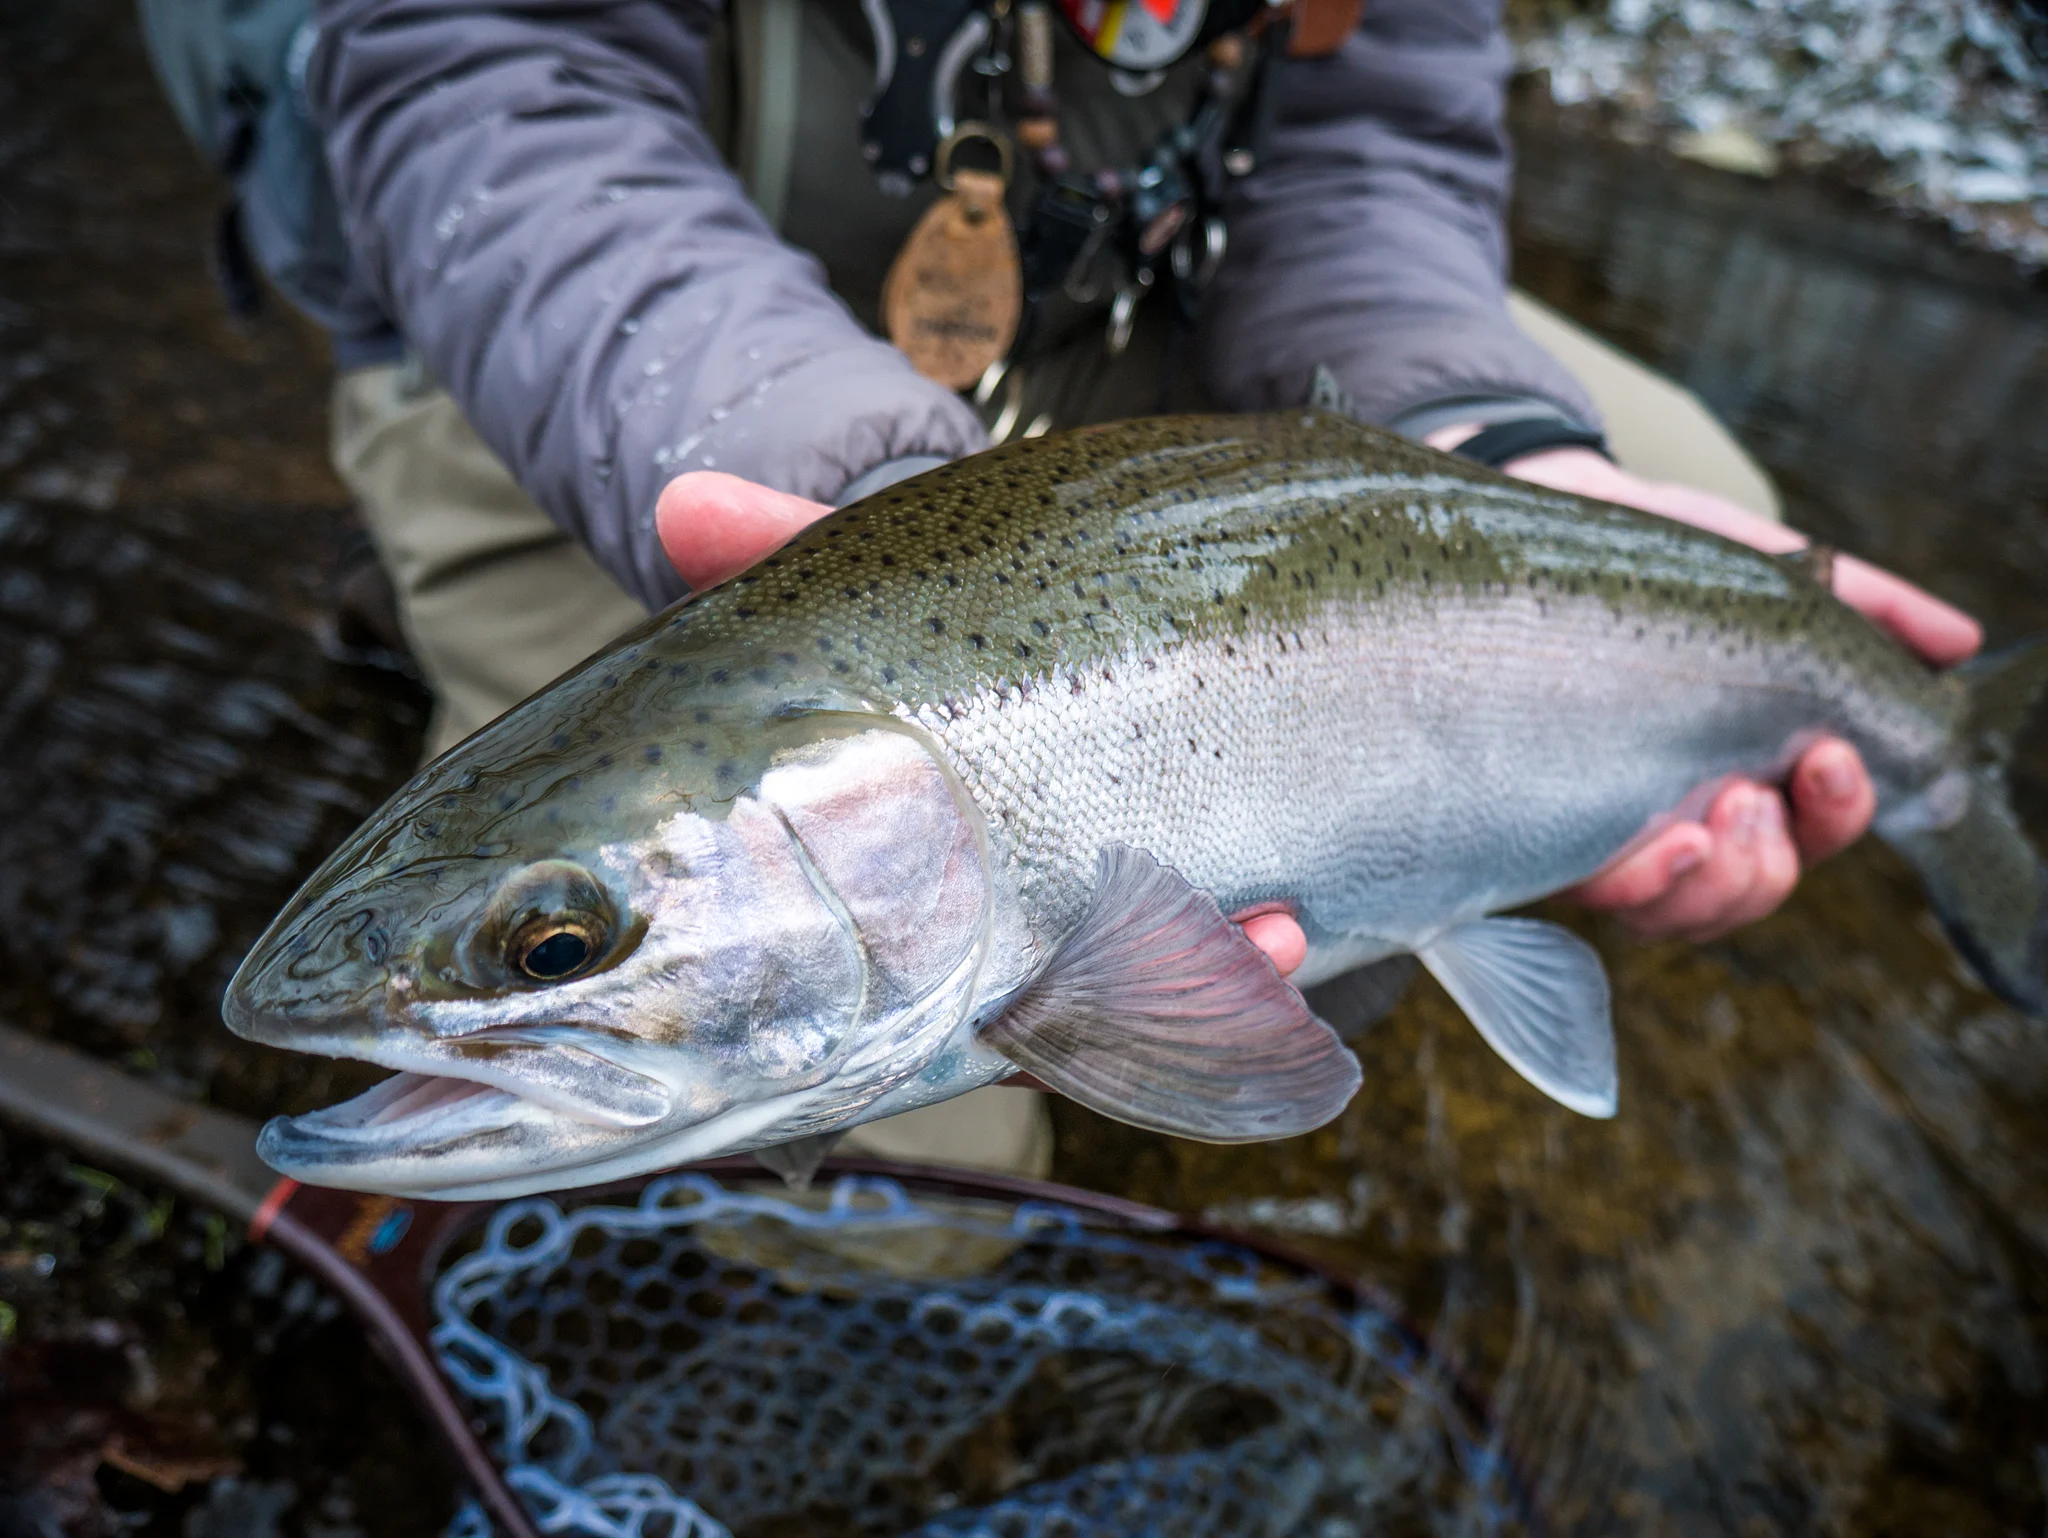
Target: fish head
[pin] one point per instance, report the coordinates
(595, 943)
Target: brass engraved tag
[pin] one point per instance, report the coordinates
(955, 292)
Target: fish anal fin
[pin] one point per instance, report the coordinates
(1539, 996)
(1157, 1011)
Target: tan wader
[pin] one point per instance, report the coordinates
(496, 600)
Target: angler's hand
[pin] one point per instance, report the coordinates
(713, 526)
(1742, 859)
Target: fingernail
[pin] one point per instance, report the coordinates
(1742, 818)
(1769, 817)
(1837, 777)
(1754, 814)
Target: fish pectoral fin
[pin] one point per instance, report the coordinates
(1538, 994)
(797, 1160)
(1157, 1011)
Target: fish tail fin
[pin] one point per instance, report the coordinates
(1985, 880)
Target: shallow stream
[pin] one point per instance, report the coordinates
(1799, 1285)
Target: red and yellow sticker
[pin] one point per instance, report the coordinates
(1137, 34)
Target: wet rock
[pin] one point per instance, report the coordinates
(1940, 106)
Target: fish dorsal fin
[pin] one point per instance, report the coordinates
(1538, 994)
(1159, 1012)
(797, 1160)
(1816, 562)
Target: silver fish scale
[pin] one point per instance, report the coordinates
(1405, 764)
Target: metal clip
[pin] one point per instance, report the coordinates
(1081, 284)
(942, 162)
(1123, 311)
(1215, 240)
(1013, 407)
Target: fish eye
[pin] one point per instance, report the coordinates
(551, 949)
(546, 923)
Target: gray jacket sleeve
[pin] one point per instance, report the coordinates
(531, 194)
(1372, 241)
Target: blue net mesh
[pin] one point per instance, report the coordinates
(725, 1360)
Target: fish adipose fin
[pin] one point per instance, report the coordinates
(1814, 562)
(1157, 1011)
(1985, 881)
(797, 1160)
(1538, 994)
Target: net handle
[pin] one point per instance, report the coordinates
(199, 1152)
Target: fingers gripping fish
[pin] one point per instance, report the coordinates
(966, 779)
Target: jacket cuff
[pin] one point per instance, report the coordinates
(888, 473)
(1425, 417)
(811, 431)
(1398, 374)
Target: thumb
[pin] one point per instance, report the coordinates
(713, 526)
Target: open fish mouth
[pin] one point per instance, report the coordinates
(530, 1094)
(409, 1113)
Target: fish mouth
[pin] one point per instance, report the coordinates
(410, 1116)
(538, 1098)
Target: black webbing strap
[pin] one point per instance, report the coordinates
(1505, 442)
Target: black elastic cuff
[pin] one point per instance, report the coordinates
(1506, 441)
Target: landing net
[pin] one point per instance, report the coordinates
(718, 1361)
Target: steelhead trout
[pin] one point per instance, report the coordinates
(968, 777)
